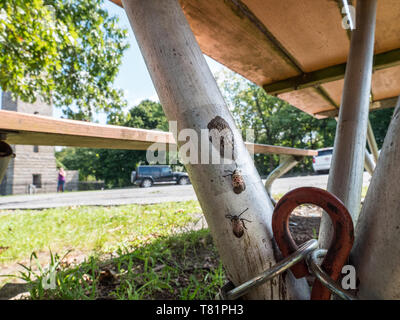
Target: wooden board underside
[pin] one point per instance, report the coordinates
(310, 33)
(28, 129)
(306, 28)
(308, 100)
(228, 36)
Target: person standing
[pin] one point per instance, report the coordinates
(61, 180)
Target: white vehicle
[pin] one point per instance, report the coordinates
(322, 162)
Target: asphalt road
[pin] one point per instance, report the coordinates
(155, 194)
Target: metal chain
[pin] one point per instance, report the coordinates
(308, 251)
(326, 280)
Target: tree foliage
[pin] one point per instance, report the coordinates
(274, 121)
(66, 51)
(380, 120)
(115, 166)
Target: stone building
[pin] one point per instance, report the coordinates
(33, 165)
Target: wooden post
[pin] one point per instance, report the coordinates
(346, 173)
(190, 96)
(376, 251)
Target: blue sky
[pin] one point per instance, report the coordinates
(133, 76)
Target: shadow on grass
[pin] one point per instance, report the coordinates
(184, 266)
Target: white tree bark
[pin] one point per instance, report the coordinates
(189, 95)
(376, 252)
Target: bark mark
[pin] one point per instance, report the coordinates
(221, 136)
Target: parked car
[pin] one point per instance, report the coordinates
(146, 176)
(322, 162)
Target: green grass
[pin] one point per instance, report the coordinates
(88, 229)
(150, 255)
(184, 266)
(364, 191)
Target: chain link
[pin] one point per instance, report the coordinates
(326, 280)
(307, 251)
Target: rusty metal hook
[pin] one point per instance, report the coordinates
(342, 240)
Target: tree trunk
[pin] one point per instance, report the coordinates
(376, 252)
(190, 96)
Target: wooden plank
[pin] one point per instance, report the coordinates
(264, 148)
(386, 83)
(334, 89)
(381, 104)
(381, 61)
(257, 41)
(308, 100)
(29, 129)
(306, 28)
(229, 36)
(71, 132)
(387, 26)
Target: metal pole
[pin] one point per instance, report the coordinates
(372, 142)
(286, 163)
(346, 173)
(189, 95)
(376, 251)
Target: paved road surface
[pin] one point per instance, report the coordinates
(142, 195)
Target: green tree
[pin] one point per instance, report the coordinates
(274, 121)
(147, 115)
(380, 120)
(83, 159)
(67, 52)
(115, 166)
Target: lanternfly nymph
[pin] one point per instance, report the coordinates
(238, 225)
(237, 180)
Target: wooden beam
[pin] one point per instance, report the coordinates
(381, 61)
(29, 129)
(280, 49)
(384, 104)
(21, 128)
(380, 104)
(268, 149)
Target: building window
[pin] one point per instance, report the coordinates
(37, 180)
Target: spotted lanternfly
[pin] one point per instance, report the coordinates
(238, 225)
(237, 180)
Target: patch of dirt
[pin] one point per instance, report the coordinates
(15, 288)
(195, 261)
(304, 223)
(74, 257)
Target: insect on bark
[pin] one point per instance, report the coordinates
(238, 225)
(237, 180)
